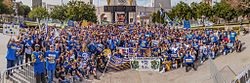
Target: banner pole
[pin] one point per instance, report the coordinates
(106, 67)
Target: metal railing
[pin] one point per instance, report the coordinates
(19, 74)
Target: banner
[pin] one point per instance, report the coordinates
(128, 52)
(187, 24)
(10, 29)
(145, 63)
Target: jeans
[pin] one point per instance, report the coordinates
(27, 58)
(19, 60)
(10, 63)
(64, 81)
(213, 55)
(50, 75)
(40, 78)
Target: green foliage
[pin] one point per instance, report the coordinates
(198, 10)
(225, 11)
(4, 9)
(74, 10)
(157, 18)
(39, 13)
(59, 12)
(182, 10)
(78, 11)
(23, 10)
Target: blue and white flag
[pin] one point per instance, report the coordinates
(187, 24)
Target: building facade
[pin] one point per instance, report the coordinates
(36, 3)
(142, 14)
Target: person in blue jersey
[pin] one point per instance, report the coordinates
(70, 44)
(214, 38)
(143, 45)
(11, 55)
(233, 36)
(39, 68)
(111, 44)
(19, 51)
(99, 47)
(155, 51)
(51, 56)
(189, 61)
(91, 46)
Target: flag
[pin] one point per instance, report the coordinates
(161, 12)
(70, 23)
(46, 26)
(177, 20)
(11, 29)
(167, 18)
(187, 24)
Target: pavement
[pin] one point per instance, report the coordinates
(235, 61)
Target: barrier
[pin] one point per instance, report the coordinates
(243, 77)
(20, 74)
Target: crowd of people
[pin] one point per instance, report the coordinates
(78, 52)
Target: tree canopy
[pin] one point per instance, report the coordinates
(74, 10)
(199, 10)
(23, 10)
(39, 13)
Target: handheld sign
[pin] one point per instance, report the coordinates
(11, 30)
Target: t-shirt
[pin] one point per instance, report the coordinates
(11, 53)
(38, 64)
(143, 43)
(51, 64)
(188, 59)
(233, 36)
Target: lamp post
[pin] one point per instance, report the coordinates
(16, 11)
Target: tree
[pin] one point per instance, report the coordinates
(78, 11)
(3, 8)
(23, 10)
(194, 7)
(157, 18)
(59, 12)
(182, 10)
(38, 13)
(225, 11)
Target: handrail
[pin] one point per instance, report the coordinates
(2, 74)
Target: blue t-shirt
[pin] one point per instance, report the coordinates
(143, 44)
(51, 64)
(11, 53)
(233, 36)
(188, 59)
(38, 64)
(112, 44)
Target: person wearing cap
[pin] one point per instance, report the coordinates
(38, 61)
(51, 56)
(11, 55)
